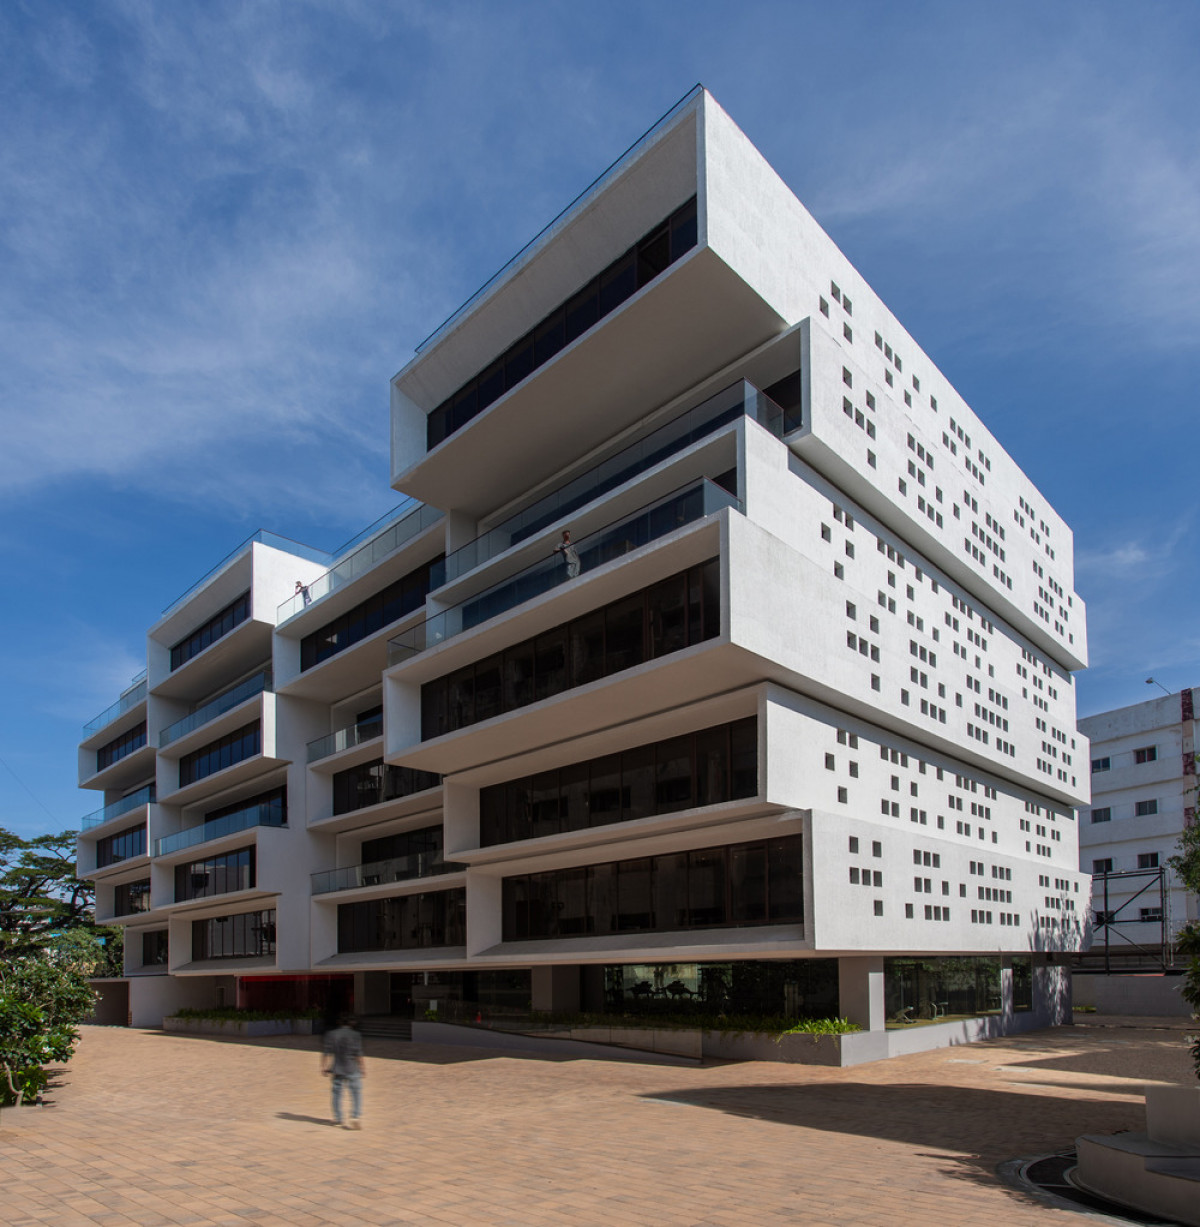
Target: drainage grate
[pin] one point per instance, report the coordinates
(1049, 1177)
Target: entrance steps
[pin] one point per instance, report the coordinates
(385, 1027)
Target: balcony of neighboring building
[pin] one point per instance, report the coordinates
(227, 750)
(337, 644)
(131, 702)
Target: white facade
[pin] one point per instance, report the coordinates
(872, 583)
(1143, 767)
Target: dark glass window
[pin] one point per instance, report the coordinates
(374, 782)
(425, 842)
(120, 747)
(154, 948)
(661, 778)
(1022, 983)
(121, 846)
(217, 755)
(650, 256)
(131, 897)
(409, 922)
(218, 625)
(273, 803)
(385, 607)
(673, 614)
(740, 884)
(215, 875)
(245, 935)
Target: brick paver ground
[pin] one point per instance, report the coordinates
(148, 1128)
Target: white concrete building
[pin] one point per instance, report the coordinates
(1143, 768)
(790, 729)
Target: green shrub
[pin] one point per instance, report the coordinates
(233, 1014)
(822, 1026)
(726, 1024)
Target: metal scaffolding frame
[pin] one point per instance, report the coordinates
(1110, 921)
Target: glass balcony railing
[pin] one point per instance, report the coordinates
(344, 739)
(399, 869)
(741, 399)
(262, 537)
(694, 502)
(125, 805)
(230, 824)
(217, 707)
(414, 520)
(130, 699)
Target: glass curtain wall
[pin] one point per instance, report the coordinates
(726, 887)
(673, 614)
(704, 768)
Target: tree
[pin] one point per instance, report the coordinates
(1186, 861)
(1186, 864)
(41, 1001)
(39, 892)
(49, 946)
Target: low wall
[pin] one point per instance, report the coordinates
(543, 1045)
(1152, 995)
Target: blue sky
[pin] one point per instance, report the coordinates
(223, 227)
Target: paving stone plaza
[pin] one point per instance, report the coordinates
(154, 1129)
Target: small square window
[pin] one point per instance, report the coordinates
(824, 306)
(908, 911)
(854, 875)
(878, 907)
(853, 843)
(829, 762)
(876, 848)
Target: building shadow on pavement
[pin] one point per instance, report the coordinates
(381, 1049)
(990, 1125)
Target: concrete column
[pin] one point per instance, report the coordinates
(556, 989)
(860, 991)
(1007, 1009)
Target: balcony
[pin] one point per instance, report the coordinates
(740, 399)
(217, 707)
(381, 873)
(345, 739)
(128, 700)
(413, 522)
(243, 820)
(126, 805)
(683, 507)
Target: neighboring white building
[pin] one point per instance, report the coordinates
(790, 729)
(1143, 795)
